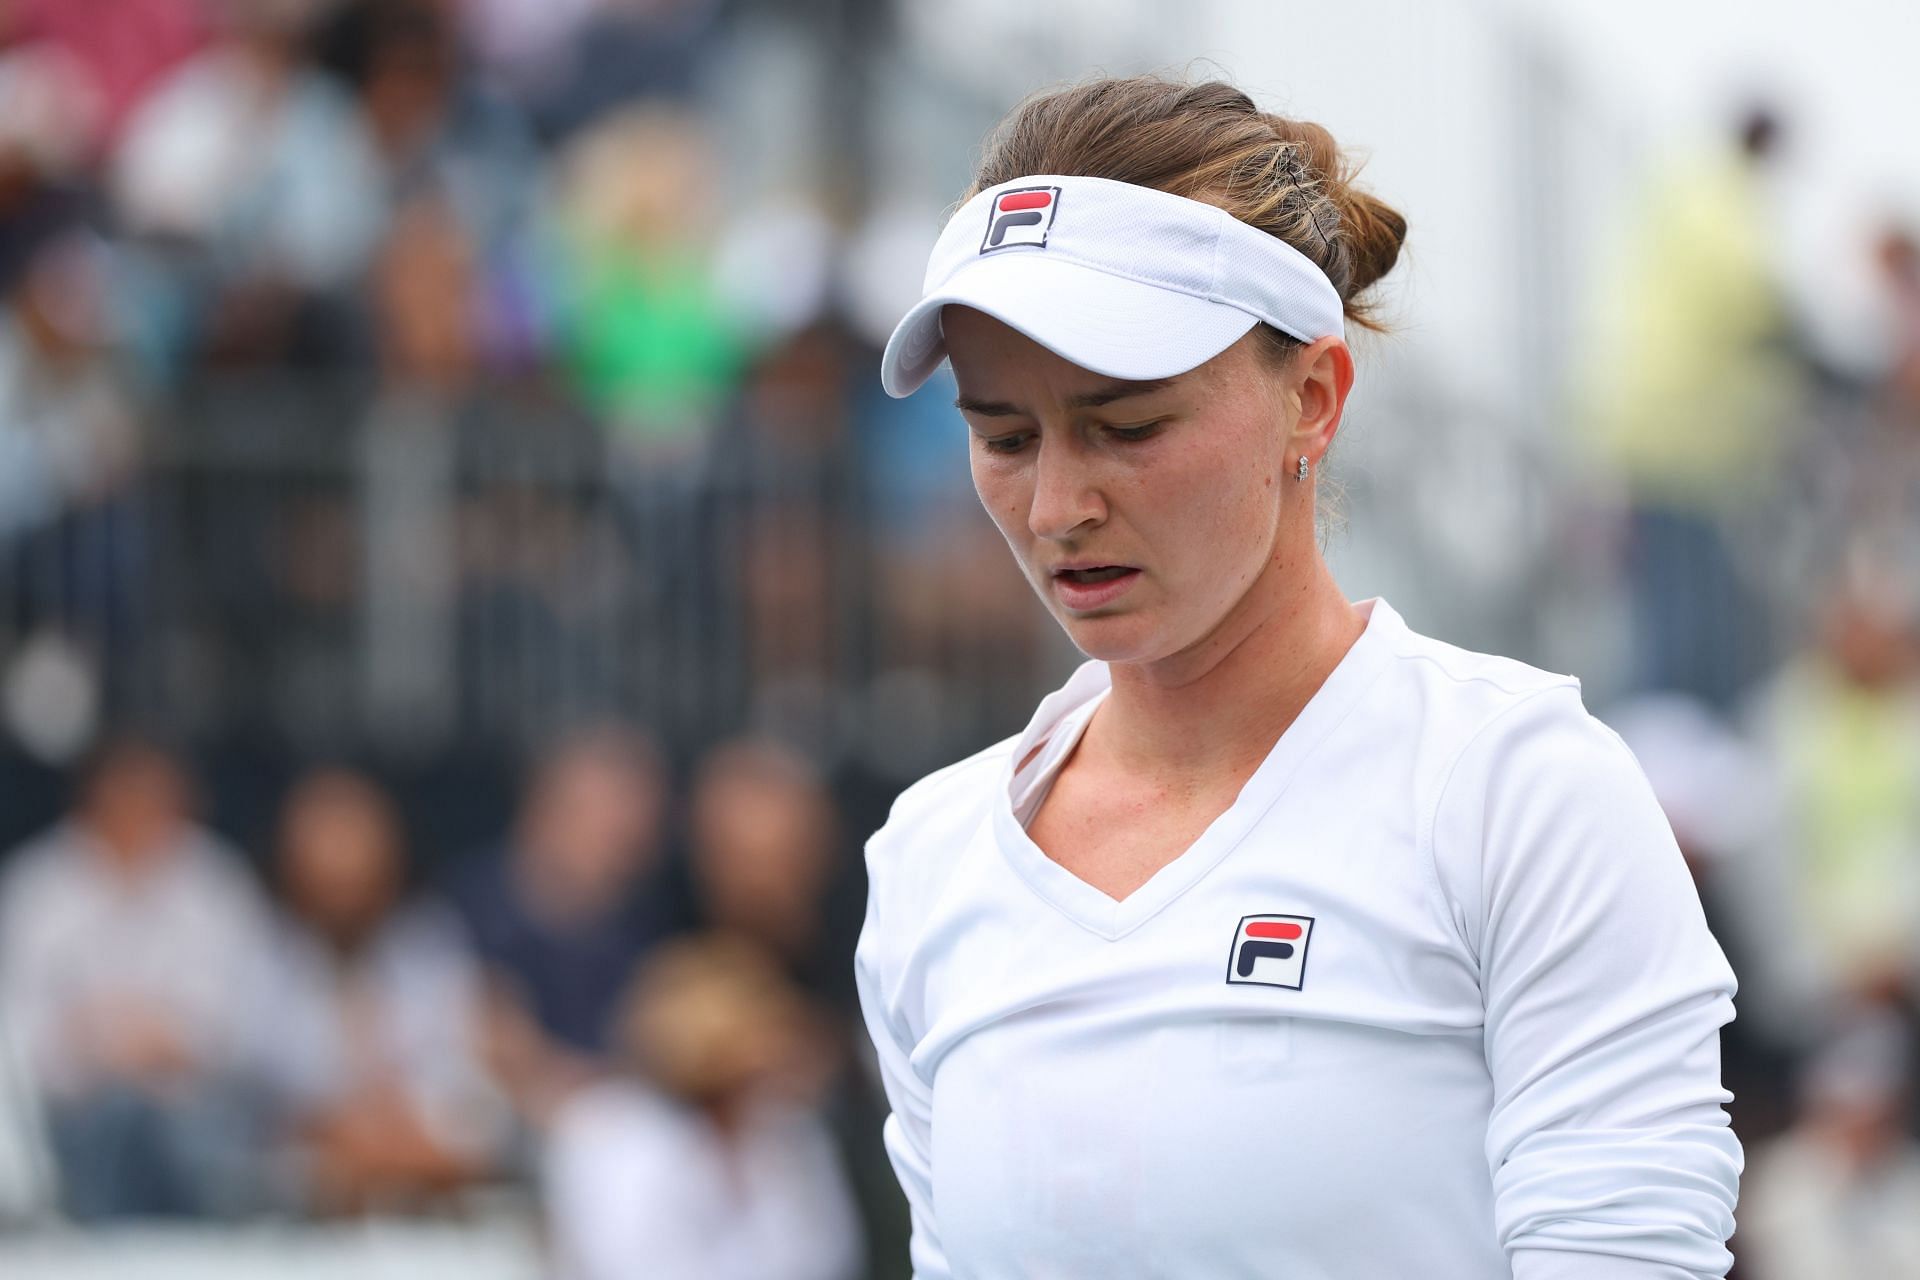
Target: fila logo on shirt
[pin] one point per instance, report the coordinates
(1270, 951)
(1021, 216)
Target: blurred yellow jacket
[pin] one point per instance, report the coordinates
(1687, 381)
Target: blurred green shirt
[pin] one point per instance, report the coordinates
(648, 343)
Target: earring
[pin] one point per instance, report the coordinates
(1301, 473)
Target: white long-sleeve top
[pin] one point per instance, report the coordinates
(1434, 997)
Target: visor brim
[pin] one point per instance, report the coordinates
(1112, 325)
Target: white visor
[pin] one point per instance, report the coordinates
(1121, 279)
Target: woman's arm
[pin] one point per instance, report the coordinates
(1604, 991)
(909, 1129)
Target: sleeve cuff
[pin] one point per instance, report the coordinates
(1558, 1264)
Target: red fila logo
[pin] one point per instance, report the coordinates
(1270, 951)
(1021, 216)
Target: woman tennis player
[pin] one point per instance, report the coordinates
(1284, 940)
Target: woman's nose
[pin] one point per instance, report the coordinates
(1064, 495)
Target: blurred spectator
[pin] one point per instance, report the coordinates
(425, 299)
(704, 1160)
(525, 46)
(73, 541)
(1688, 387)
(1712, 785)
(768, 865)
(921, 489)
(1898, 255)
(1837, 884)
(1835, 1195)
(250, 177)
(647, 339)
(48, 115)
(572, 61)
(128, 938)
(1898, 251)
(118, 50)
(447, 144)
(632, 50)
(1859, 491)
(1706, 777)
(763, 847)
(794, 413)
(562, 914)
(68, 434)
(438, 133)
(372, 1029)
(788, 507)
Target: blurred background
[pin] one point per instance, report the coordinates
(465, 599)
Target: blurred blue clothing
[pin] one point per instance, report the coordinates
(1699, 627)
(569, 977)
(916, 462)
(125, 1152)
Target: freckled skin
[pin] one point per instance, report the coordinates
(1182, 504)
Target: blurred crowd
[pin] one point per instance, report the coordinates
(1767, 502)
(310, 929)
(464, 600)
(393, 368)
(636, 1003)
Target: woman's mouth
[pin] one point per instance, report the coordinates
(1082, 589)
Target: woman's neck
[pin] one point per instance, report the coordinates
(1215, 709)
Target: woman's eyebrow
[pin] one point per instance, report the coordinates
(1085, 400)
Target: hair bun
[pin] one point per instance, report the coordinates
(1375, 230)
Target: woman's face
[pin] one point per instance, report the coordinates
(1184, 489)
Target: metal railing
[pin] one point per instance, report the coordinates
(347, 567)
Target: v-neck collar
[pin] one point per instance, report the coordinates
(1062, 717)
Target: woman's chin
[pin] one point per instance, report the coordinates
(1114, 637)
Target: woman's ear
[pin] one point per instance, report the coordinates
(1323, 376)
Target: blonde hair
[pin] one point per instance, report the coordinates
(706, 1015)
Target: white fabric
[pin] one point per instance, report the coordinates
(1121, 279)
(182, 940)
(274, 177)
(637, 1185)
(1502, 1058)
(404, 1010)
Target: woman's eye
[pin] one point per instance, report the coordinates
(1016, 441)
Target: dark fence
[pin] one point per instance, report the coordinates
(345, 568)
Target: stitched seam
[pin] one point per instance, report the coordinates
(1561, 681)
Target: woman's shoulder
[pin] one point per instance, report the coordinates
(1528, 802)
(936, 814)
(1520, 719)
(1517, 721)
(1465, 681)
(950, 795)
(969, 777)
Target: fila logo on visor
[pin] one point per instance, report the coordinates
(1270, 951)
(1021, 216)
